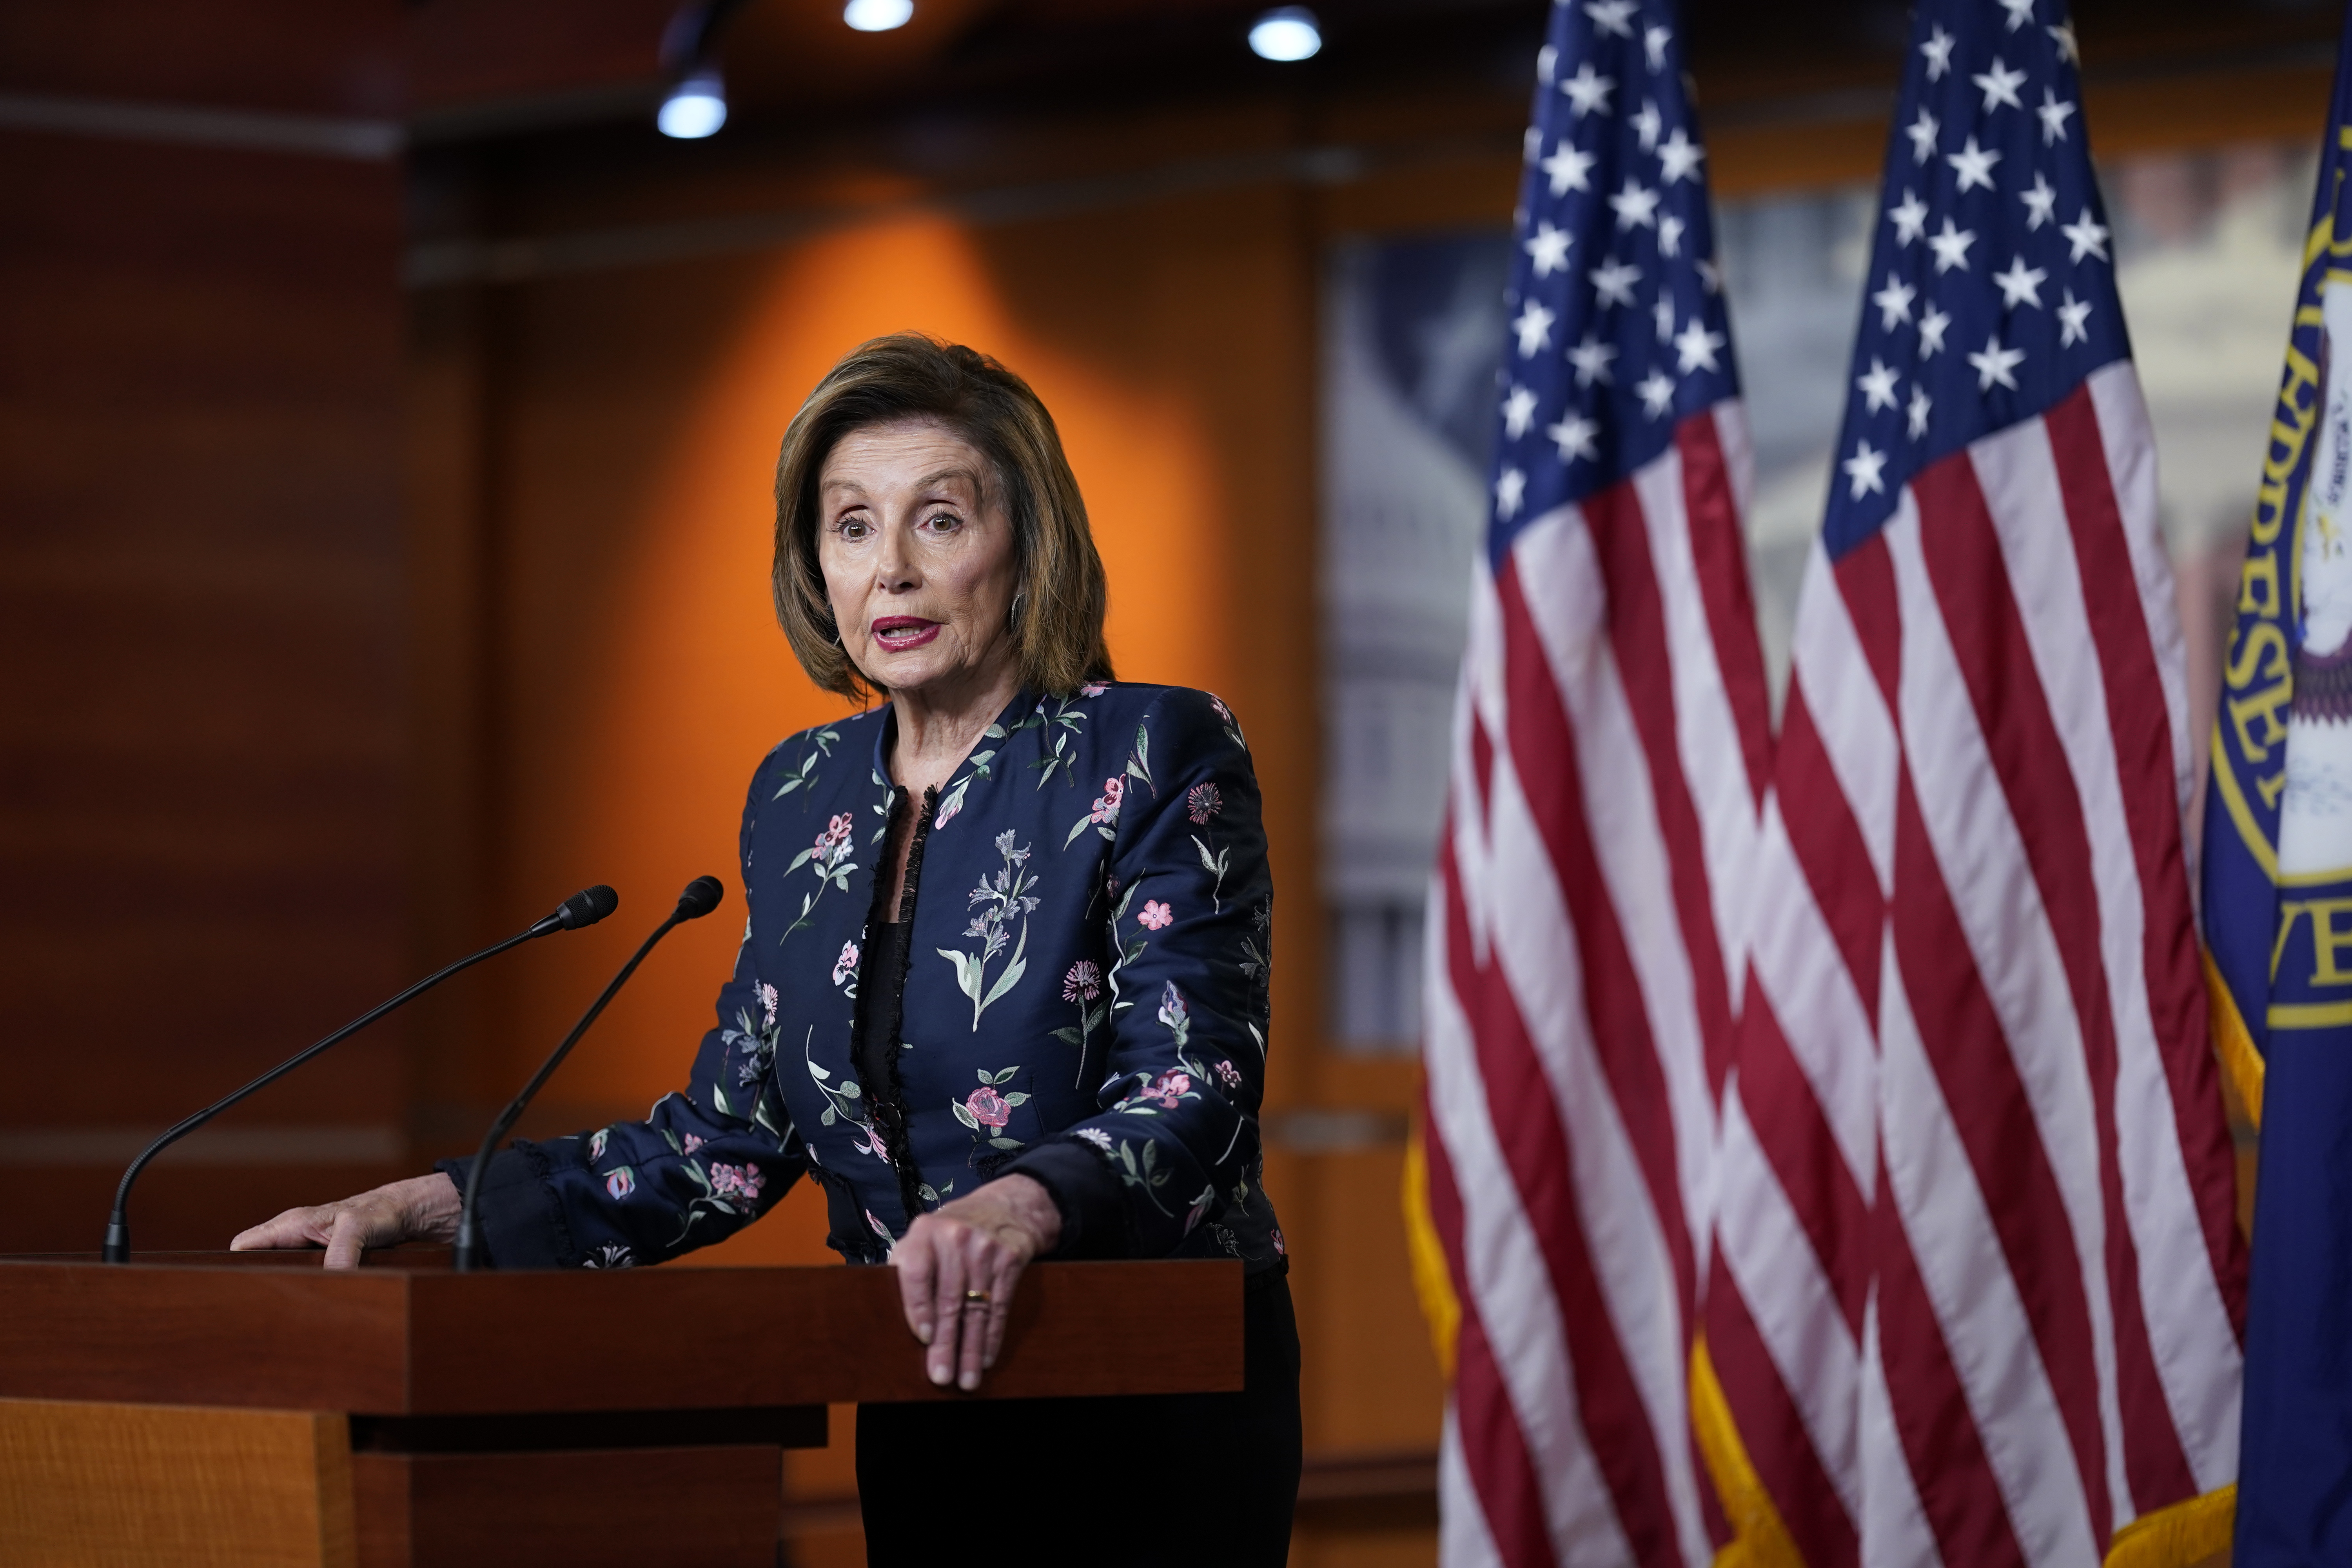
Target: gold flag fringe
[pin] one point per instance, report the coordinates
(2230, 1041)
(1759, 1539)
(2175, 1537)
(1431, 1281)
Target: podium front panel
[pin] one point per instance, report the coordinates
(400, 1415)
(424, 1342)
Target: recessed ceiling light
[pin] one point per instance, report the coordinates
(1287, 33)
(694, 108)
(877, 16)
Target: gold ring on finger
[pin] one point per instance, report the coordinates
(975, 1298)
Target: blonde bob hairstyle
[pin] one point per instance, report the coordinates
(1060, 591)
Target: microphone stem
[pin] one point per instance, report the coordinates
(117, 1223)
(466, 1236)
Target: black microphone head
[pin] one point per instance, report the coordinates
(701, 896)
(586, 906)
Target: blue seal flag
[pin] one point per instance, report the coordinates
(2278, 908)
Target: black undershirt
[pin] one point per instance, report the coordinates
(881, 1002)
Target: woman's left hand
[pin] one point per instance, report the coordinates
(957, 1265)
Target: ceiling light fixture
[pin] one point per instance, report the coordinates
(697, 104)
(694, 108)
(877, 16)
(1286, 33)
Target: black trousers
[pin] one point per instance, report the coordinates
(1125, 1482)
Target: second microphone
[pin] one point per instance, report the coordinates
(700, 897)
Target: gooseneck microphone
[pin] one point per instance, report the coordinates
(701, 896)
(585, 908)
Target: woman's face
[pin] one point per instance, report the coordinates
(917, 551)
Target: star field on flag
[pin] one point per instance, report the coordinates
(1616, 307)
(1992, 285)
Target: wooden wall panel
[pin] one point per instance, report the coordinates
(201, 617)
(271, 55)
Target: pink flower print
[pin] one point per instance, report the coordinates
(1082, 983)
(743, 1182)
(1224, 712)
(846, 964)
(694, 1141)
(1169, 1087)
(988, 1108)
(953, 803)
(767, 1003)
(1202, 802)
(874, 1144)
(1093, 688)
(879, 1228)
(1228, 1074)
(1156, 914)
(1107, 808)
(620, 1184)
(596, 1144)
(1278, 1247)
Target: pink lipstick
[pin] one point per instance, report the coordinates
(895, 634)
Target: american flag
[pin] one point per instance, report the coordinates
(1977, 1280)
(1612, 743)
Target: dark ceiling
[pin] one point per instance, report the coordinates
(793, 60)
(474, 69)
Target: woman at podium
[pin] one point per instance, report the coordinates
(1004, 991)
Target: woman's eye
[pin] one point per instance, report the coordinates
(851, 528)
(943, 521)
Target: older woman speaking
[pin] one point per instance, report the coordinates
(1003, 994)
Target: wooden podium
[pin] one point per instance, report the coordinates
(253, 1409)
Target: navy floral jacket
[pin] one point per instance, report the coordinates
(1086, 1002)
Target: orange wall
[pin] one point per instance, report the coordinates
(645, 674)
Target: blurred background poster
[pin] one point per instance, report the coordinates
(388, 406)
(1413, 333)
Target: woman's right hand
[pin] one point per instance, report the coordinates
(422, 1208)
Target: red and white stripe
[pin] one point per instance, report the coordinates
(1978, 1286)
(1611, 748)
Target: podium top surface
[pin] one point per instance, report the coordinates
(413, 1339)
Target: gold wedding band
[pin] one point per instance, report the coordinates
(975, 1298)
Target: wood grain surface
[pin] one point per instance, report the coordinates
(202, 635)
(403, 1342)
(713, 1507)
(95, 1486)
(275, 1339)
(732, 1427)
(795, 1336)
